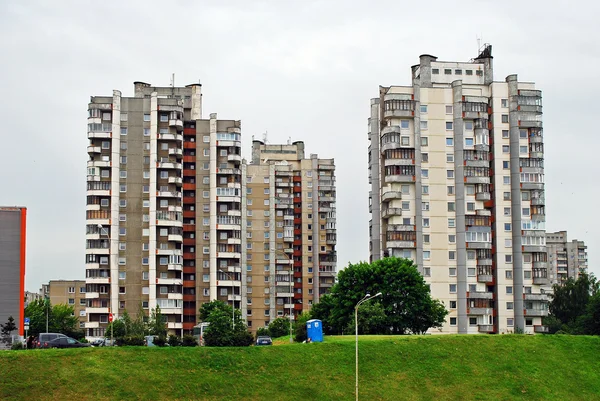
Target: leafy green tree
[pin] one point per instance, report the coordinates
(6, 330)
(406, 299)
(189, 341)
(591, 319)
(61, 319)
(323, 311)
(570, 302)
(220, 331)
(300, 327)
(158, 323)
(279, 327)
(262, 331)
(174, 341)
(371, 320)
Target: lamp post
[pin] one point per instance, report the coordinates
(232, 300)
(365, 299)
(291, 292)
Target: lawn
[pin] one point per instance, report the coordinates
(504, 367)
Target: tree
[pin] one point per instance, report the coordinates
(158, 323)
(570, 302)
(322, 311)
(406, 299)
(6, 330)
(220, 331)
(61, 318)
(591, 319)
(279, 327)
(371, 320)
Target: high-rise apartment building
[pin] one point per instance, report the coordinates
(457, 173)
(13, 224)
(566, 259)
(289, 231)
(168, 222)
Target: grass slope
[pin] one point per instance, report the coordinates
(391, 368)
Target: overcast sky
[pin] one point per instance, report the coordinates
(303, 69)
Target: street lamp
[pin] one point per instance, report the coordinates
(232, 300)
(365, 299)
(291, 291)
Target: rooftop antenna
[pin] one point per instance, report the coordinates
(289, 140)
(265, 137)
(172, 80)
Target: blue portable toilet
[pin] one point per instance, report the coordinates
(314, 330)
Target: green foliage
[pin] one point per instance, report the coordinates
(174, 341)
(262, 331)
(17, 346)
(436, 367)
(220, 331)
(158, 323)
(300, 327)
(591, 320)
(572, 306)
(6, 330)
(279, 327)
(160, 341)
(406, 306)
(61, 319)
(189, 341)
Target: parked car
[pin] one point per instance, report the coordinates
(44, 339)
(66, 342)
(264, 340)
(103, 342)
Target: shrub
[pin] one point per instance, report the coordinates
(133, 340)
(242, 339)
(174, 341)
(160, 341)
(17, 346)
(262, 331)
(279, 327)
(189, 341)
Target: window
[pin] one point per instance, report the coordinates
(451, 255)
(435, 71)
(426, 238)
(405, 205)
(468, 141)
(425, 206)
(426, 222)
(122, 231)
(425, 190)
(479, 73)
(526, 211)
(404, 124)
(450, 190)
(505, 133)
(506, 180)
(509, 290)
(426, 271)
(506, 226)
(452, 288)
(424, 173)
(505, 164)
(505, 118)
(469, 125)
(506, 195)
(449, 125)
(523, 150)
(451, 206)
(405, 189)
(447, 71)
(508, 259)
(471, 206)
(452, 238)
(425, 157)
(471, 272)
(471, 255)
(405, 141)
(527, 274)
(508, 243)
(448, 109)
(451, 223)
(453, 321)
(449, 173)
(458, 72)
(504, 102)
(423, 124)
(426, 254)
(449, 141)
(423, 108)
(453, 305)
(508, 274)
(452, 271)
(121, 290)
(510, 322)
(505, 149)
(123, 174)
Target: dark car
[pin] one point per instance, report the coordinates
(45, 338)
(264, 340)
(66, 342)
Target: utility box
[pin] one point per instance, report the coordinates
(314, 330)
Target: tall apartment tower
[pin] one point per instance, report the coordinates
(134, 216)
(457, 174)
(13, 238)
(289, 231)
(566, 259)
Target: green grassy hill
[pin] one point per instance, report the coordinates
(391, 368)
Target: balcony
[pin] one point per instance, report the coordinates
(168, 194)
(234, 158)
(92, 325)
(175, 267)
(486, 328)
(189, 145)
(170, 137)
(541, 329)
(100, 135)
(535, 297)
(174, 325)
(393, 211)
(234, 297)
(400, 244)
(169, 281)
(536, 312)
(540, 201)
(178, 152)
(97, 280)
(93, 149)
(169, 165)
(396, 106)
(532, 185)
(399, 162)
(176, 180)
(534, 248)
(485, 278)
(477, 180)
(97, 310)
(399, 178)
(483, 196)
(175, 237)
(541, 280)
(92, 295)
(530, 124)
(540, 265)
(168, 252)
(480, 295)
(284, 294)
(175, 295)
(479, 245)
(234, 171)
(229, 255)
(177, 123)
(481, 311)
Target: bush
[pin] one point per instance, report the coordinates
(133, 340)
(242, 339)
(160, 341)
(279, 327)
(17, 346)
(189, 341)
(174, 341)
(262, 331)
